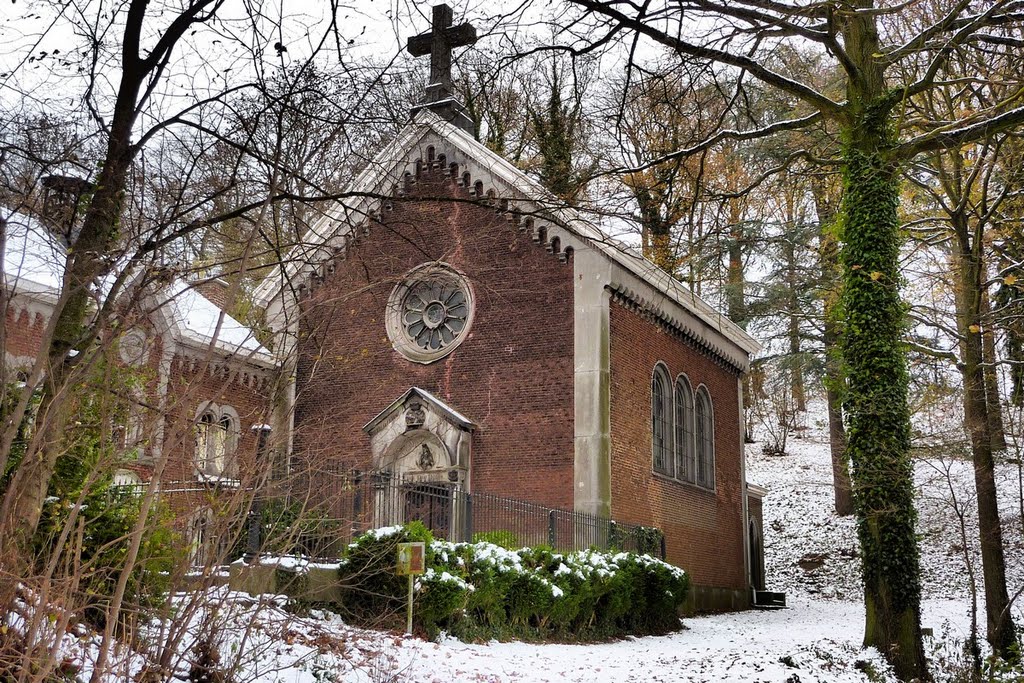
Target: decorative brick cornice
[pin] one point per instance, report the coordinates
(194, 362)
(648, 310)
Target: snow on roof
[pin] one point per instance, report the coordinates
(197, 319)
(34, 258)
(34, 261)
(315, 246)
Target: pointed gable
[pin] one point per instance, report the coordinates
(430, 140)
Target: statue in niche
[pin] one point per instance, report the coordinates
(414, 416)
(426, 459)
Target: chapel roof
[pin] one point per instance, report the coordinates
(379, 178)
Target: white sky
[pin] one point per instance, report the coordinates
(43, 42)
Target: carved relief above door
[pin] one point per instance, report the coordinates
(421, 454)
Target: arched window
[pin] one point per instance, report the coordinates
(704, 421)
(686, 465)
(216, 438)
(661, 421)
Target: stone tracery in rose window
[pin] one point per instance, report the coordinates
(429, 312)
(435, 313)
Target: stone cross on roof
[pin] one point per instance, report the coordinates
(438, 43)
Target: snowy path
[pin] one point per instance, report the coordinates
(820, 639)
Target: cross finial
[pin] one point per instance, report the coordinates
(438, 43)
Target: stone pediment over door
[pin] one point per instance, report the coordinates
(420, 438)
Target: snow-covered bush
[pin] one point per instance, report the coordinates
(371, 592)
(482, 590)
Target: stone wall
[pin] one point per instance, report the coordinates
(512, 376)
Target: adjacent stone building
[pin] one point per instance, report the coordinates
(195, 382)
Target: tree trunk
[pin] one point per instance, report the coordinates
(735, 286)
(796, 366)
(841, 484)
(735, 292)
(831, 278)
(994, 415)
(878, 435)
(968, 261)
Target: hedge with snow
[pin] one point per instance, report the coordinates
(482, 591)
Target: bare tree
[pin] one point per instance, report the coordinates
(870, 47)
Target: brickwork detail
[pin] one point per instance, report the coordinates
(513, 374)
(703, 529)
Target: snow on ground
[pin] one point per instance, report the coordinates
(799, 522)
(813, 643)
(816, 639)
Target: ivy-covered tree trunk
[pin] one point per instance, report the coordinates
(874, 358)
(878, 417)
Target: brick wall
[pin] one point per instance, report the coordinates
(23, 330)
(513, 374)
(703, 529)
(194, 383)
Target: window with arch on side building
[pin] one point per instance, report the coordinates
(217, 432)
(661, 421)
(686, 465)
(704, 438)
(682, 430)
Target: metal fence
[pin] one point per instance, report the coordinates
(322, 514)
(352, 503)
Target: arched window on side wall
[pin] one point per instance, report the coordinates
(661, 421)
(704, 422)
(216, 439)
(686, 465)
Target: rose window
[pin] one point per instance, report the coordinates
(429, 313)
(435, 314)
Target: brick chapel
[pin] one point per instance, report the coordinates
(452, 324)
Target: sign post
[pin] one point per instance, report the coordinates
(411, 561)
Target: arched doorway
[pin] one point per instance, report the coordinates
(756, 555)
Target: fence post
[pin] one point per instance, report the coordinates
(612, 537)
(357, 502)
(468, 526)
(662, 544)
(252, 546)
(252, 550)
(552, 533)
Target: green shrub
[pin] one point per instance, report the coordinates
(499, 537)
(441, 598)
(371, 591)
(482, 590)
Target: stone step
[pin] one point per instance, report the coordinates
(769, 599)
